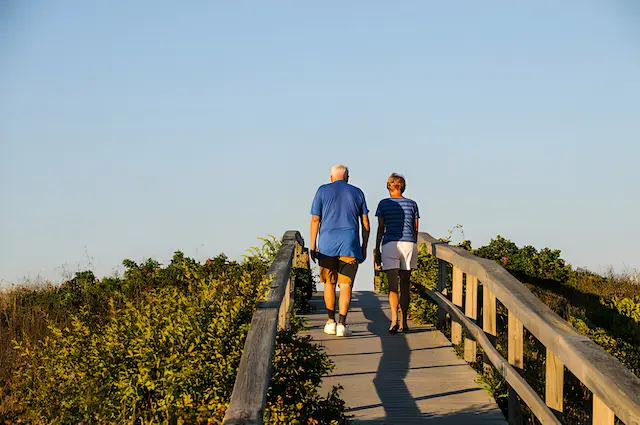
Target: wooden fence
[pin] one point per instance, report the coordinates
(272, 313)
(616, 390)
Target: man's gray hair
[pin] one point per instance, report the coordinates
(340, 171)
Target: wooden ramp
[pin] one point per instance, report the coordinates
(400, 379)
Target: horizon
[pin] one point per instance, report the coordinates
(67, 271)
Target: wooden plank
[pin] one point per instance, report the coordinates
(510, 374)
(471, 311)
(602, 373)
(515, 347)
(488, 319)
(285, 308)
(602, 415)
(254, 372)
(252, 381)
(442, 285)
(554, 383)
(456, 297)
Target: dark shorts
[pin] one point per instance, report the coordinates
(340, 270)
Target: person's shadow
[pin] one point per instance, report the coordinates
(399, 405)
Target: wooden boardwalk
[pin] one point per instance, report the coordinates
(400, 379)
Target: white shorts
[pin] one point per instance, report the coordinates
(399, 255)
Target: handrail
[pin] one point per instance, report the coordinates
(254, 373)
(616, 389)
(528, 394)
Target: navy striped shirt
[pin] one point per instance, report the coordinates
(399, 219)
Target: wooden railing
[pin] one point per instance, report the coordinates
(616, 390)
(272, 313)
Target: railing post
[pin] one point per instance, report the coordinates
(602, 415)
(442, 284)
(471, 311)
(554, 383)
(488, 319)
(456, 297)
(283, 313)
(516, 359)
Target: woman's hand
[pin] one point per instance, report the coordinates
(377, 257)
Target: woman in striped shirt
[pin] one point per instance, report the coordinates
(398, 235)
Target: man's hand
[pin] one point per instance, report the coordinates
(364, 254)
(314, 255)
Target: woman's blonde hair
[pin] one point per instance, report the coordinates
(396, 181)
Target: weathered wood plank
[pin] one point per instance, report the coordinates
(488, 319)
(515, 348)
(285, 307)
(254, 373)
(602, 415)
(471, 311)
(554, 383)
(511, 375)
(442, 284)
(456, 296)
(602, 373)
(252, 381)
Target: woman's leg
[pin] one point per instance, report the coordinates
(405, 285)
(392, 276)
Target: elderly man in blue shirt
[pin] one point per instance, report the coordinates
(337, 213)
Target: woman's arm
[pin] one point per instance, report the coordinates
(379, 235)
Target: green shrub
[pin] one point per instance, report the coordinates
(166, 350)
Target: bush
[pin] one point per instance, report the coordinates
(166, 350)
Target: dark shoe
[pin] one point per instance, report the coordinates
(393, 329)
(404, 329)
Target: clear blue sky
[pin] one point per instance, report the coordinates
(132, 129)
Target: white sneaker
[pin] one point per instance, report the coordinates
(343, 330)
(330, 328)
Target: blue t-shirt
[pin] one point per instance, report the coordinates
(399, 219)
(340, 207)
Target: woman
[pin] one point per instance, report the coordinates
(398, 233)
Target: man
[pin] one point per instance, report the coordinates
(337, 211)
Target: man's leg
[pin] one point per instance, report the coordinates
(330, 299)
(329, 276)
(345, 302)
(347, 268)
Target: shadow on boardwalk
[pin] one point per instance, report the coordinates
(400, 379)
(396, 399)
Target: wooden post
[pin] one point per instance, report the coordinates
(554, 383)
(283, 313)
(488, 319)
(516, 359)
(602, 415)
(471, 311)
(442, 284)
(456, 328)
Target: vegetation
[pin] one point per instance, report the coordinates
(604, 308)
(159, 345)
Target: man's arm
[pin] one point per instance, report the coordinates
(417, 222)
(366, 229)
(315, 224)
